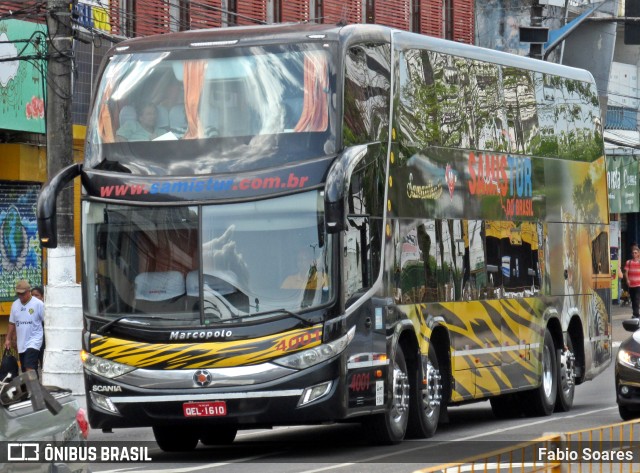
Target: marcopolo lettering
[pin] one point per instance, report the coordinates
(199, 334)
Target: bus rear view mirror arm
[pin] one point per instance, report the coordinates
(47, 221)
(337, 187)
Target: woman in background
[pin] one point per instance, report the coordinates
(632, 276)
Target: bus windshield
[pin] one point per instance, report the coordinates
(223, 109)
(247, 261)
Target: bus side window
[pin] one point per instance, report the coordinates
(357, 257)
(512, 259)
(366, 93)
(475, 277)
(492, 244)
(450, 264)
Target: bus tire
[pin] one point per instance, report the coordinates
(174, 439)
(218, 436)
(566, 378)
(425, 403)
(390, 428)
(542, 400)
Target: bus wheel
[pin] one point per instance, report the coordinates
(389, 428)
(174, 439)
(542, 399)
(426, 398)
(218, 436)
(566, 378)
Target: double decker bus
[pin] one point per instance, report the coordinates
(336, 223)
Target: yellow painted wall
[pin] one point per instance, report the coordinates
(22, 162)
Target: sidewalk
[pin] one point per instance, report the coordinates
(618, 314)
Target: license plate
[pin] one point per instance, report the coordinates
(205, 409)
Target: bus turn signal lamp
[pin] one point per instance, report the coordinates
(103, 402)
(314, 392)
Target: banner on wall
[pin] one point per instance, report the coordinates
(92, 15)
(622, 180)
(20, 252)
(22, 82)
(613, 184)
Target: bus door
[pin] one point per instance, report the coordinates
(364, 359)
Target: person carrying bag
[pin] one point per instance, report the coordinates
(8, 366)
(632, 278)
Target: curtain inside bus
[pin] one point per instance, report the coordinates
(193, 82)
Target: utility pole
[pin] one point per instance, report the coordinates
(63, 301)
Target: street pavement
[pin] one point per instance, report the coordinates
(618, 314)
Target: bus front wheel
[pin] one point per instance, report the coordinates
(173, 439)
(542, 399)
(390, 428)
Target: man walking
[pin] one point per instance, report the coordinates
(25, 321)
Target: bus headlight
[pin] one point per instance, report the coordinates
(629, 358)
(103, 367)
(315, 355)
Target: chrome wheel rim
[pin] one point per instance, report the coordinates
(400, 406)
(547, 375)
(432, 394)
(567, 371)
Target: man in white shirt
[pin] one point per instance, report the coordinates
(25, 322)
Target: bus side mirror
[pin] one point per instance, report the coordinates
(337, 187)
(46, 210)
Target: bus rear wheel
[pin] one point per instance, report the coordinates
(390, 428)
(426, 397)
(173, 439)
(541, 400)
(566, 378)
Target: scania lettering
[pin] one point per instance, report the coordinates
(338, 224)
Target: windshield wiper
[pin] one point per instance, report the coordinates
(102, 330)
(285, 311)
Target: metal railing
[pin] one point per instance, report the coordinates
(609, 449)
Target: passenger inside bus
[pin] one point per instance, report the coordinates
(144, 128)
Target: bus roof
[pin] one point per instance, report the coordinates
(346, 34)
(491, 56)
(249, 34)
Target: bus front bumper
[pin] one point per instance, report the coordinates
(299, 397)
